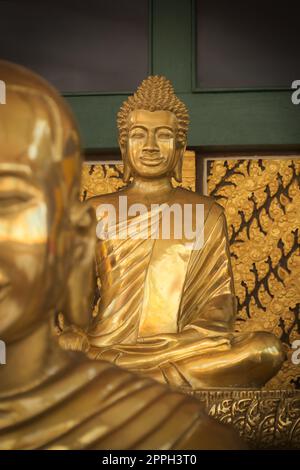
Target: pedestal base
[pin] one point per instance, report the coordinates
(265, 419)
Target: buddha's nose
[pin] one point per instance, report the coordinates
(151, 144)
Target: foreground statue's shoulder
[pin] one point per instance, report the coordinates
(144, 414)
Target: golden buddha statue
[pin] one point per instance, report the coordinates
(51, 398)
(167, 309)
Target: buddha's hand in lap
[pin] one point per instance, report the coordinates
(187, 339)
(157, 350)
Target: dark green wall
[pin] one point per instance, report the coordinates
(262, 119)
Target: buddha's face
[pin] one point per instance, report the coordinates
(152, 150)
(31, 216)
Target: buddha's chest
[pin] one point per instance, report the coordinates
(143, 280)
(163, 288)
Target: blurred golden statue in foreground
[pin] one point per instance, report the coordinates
(51, 398)
(167, 308)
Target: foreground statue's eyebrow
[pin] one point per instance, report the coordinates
(15, 169)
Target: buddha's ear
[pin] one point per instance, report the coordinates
(127, 172)
(177, 172)
(81, 279)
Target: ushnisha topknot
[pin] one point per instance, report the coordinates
(155, 93)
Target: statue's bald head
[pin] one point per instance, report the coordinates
(38, 129)
(44, 229)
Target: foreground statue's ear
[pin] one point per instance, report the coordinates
(177, 172)
(81, 282)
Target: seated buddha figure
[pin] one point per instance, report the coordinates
(167, 307)
(51, 398)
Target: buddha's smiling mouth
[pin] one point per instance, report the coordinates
(152, 160)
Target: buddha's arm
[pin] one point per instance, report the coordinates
(208, 303)
(207, 308)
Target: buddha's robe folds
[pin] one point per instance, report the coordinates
(168, 310)
(94, 405)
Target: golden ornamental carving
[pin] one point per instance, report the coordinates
(261, 198)
(265, 419)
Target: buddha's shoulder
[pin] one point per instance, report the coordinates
(109, 198)
(211, 207)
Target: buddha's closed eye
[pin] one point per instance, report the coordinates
(165, 135)
(138, 135)
(11, 200)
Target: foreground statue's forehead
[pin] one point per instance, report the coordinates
(25, 129)
(152, 118)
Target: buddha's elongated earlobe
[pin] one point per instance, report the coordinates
(127, 172)
(177, 172)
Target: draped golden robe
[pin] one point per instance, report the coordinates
(94, 405)
(168, 310)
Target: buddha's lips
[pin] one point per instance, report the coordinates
(152, 160)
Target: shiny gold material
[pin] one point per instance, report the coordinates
(167, 310)
(102, 178)
(50, 398)
(265, 419)
(261, 198)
